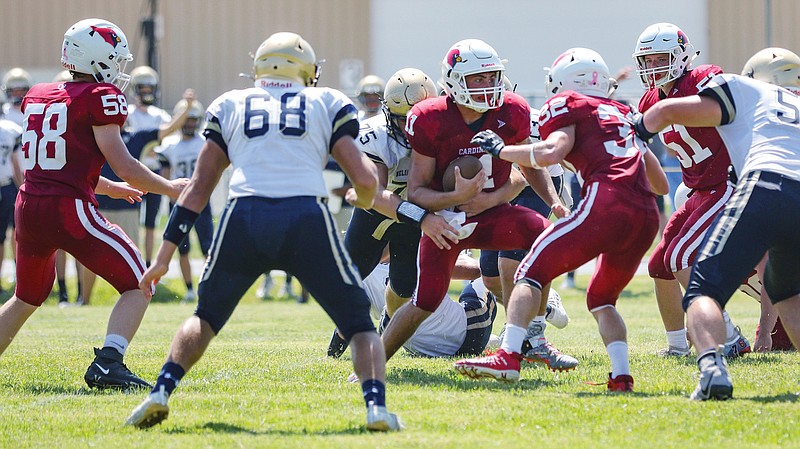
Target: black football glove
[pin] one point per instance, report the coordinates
(489, 142)
(640, 130)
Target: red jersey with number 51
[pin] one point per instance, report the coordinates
(60, 154)
(701, 152)
(605, 148)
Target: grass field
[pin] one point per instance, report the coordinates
(265, 382)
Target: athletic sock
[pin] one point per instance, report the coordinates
(169, 378)
(618, 353)
(116, 342)
(374, 392)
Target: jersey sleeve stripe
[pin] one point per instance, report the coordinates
(213, 132)
(375, 159)
(721, 93)
(344, 124)
(347, 113)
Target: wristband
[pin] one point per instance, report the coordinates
(180, 223)
(641, 131)
(533, 159)
(408, 212)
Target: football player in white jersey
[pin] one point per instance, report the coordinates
(456, 328)
(392, 221)
(368, 93)
(178, 155)
(146, 115)
(16, 83)
(277, 135)
(760, 125)
(10, 177)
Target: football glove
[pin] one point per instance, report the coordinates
(489, 142)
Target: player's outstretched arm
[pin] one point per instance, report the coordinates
(540, 154)
(157, 269)
(694, 111)
(359, 169)
(210, 165)
(129, 169)
(177, 121)
(211, 162)
(388, 204)
(655, 174)
(118, 190)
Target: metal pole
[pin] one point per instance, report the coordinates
(149, 32)
(768, 21)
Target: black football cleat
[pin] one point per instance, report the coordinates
(108, 371)
(337, 346)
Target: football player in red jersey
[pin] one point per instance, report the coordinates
(616, 221)
(663, 57)
(70, 130)
(439, 131)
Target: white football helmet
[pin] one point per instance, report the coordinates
(369, 91)
(581, 70)
(405, 88)
(469, 57)
(16, 79)
(62, 77)
(775, 66)
(663, 38)
(99, 48)
(286, 55)
(144, 80)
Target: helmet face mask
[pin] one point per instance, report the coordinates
(98, 48)
(471, 57)
(776, 66)
(670, 41)
(581, 70)
(144, 80)
(405, 88)
(286, 55)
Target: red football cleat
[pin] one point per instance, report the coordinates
(622, 383)
(501, 365)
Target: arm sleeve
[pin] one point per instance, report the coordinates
(719, 89)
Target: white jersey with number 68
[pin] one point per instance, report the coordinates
(278, 136)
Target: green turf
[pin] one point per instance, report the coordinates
(265, 382)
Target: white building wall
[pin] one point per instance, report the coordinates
(529, 33)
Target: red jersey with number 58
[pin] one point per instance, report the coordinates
(605, 148)
(60, 154)
(436, 129)
(701, 152)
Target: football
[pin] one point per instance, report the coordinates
(469, 166)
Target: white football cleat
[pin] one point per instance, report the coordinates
(380, 420)
(150, 412)
(556, 314)
(190, 296)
